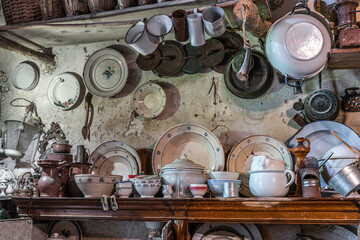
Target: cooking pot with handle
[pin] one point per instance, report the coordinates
(298, 45)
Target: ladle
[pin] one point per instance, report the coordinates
(347, 145)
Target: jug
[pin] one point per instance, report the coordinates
(264, 162)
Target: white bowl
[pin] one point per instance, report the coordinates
(123, 189)
(224, 175)
(92, 185)
(217, 185)
(147, 186)
(198, 190)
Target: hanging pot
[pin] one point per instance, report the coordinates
(298, 45)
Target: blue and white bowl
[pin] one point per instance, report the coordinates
(123, 189)
(92, 185)
(147, 185)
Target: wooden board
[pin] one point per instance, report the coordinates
(344, 58)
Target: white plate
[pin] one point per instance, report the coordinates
(247, 231)
(64, 91)
(67, 229)
(321, 140)
(241, 156)
(116, 162)
(105, 72)
(114, 145)
(149, 100)
(24, 77)
(198, 143)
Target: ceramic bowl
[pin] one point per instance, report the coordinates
(147, 185)
(224, 175)
(123, 189)
(92, 185)
(217, 185)
(198, 190)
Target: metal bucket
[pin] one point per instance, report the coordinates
(139, 39)
(346, 181)
(214, 21)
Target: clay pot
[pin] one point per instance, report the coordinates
(77, 168)
(64, 177)
(61, 148)
(49, 182)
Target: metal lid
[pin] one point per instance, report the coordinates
(183, 163)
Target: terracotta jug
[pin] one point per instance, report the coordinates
(49, 182)
(77, 168)
(300, 152)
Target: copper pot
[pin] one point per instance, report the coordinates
(60, 157)
(61, 148)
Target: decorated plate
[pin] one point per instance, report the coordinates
(105, 72)
(67, 229)
(64, 91)
(149, 100)
(198, 143)
(114, 145)
(116, 162)
(25, 76)
(242, 154)
(227, 231)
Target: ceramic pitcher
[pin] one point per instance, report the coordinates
(267, 163)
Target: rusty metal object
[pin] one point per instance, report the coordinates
(311, 188)
(212, 52)
(351, 100)
(349, 38)
(346, 14)
(149, 62)
(192, 64)
(173, 59)
(256, 25)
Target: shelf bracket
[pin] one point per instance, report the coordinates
(43, 54)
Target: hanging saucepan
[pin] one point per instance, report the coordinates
(159, 25)
(298, 46)
(139, 39)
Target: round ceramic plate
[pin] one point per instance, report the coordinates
(63, 91)
(149, 100)
(241, 156)
(227, 231)
(198, 143)
(105, 73)
(67, 229)
(116, 162)
(24, 77)
(114, 145)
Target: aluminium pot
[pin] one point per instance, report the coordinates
(298, 45)
(346, 181)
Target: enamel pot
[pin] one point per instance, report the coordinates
(298, 45)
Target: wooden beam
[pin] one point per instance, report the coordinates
(344, 58)
(15, 47)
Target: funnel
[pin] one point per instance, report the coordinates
(18, 137)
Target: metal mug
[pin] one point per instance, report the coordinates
(214, 21)
(180, 25)
(231, 189)
(159, 26)
(196, 30)
(139, 39)
(82, 154)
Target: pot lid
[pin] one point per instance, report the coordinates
(183, 163)
(212, 52)
(321, 104)
(149, 62)
(192, 64)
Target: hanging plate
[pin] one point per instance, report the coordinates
(212, 52)
(63, 91)
(105, 73)
(149, 62)
(149, 100)
(192, 64)
(173, 58)
(242, 154)
(233, 43)
(198, 143)
(260, 77)
(321, 105)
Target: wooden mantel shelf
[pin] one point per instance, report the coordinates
(246, 210)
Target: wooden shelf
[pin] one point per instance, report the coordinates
(347, 58)
(245, 210)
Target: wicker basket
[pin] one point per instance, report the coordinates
(19, 11)
(52, 9)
